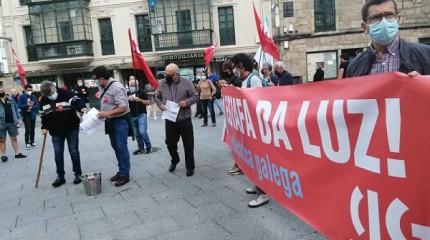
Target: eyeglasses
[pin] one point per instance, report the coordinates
(377, 18)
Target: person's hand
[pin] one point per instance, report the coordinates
(31, 103)
(182, 104)
(131, 98)
(20, 123)
(84, 110)
(163, 107)
(44, 131)
(414, 74)
(103, 115)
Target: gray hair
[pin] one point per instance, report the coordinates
(268, 66)
(281, 65)
(47, 87)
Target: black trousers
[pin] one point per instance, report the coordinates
(184, 130)
(29, 128)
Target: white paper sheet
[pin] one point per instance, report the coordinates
(172, 111)
(90, 121)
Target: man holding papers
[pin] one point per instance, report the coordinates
(181, 91)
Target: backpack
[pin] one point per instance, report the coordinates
(263, 81)
(218, 90)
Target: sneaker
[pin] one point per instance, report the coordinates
(221, 113)
(77, 179)
(252, 190)
(235, 171)
(204, 125)
(34, 145)
(148, 150)
(27, 146)
(213, 124)
(115, 178)
(138, 151)
(260, 200)
(4, 158)
(59, 181)
(121, 181)
(20, 155)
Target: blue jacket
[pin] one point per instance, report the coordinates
(23, 105)
(413, 57)
(15, 112)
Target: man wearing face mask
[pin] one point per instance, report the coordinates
(181, 91)
(29, 106)
(285, 78)
(387, 51)
(137, 101)
(58, 114)
(230, 79)
(82, 91)
(268, 75)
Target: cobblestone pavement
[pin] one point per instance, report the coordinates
(155, 205)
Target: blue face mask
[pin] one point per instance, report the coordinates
(53, 96)
(383, 32)
(132, 89)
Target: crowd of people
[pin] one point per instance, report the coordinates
(126, 107)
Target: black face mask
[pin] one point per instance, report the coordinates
(2, 94)
(169, 79)
(227, 74)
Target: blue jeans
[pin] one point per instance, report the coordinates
(208, 104)
(73, 145)
(140, 126)
(219, 105)
(118, 141)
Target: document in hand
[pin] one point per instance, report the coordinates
(90, 121)
(172, 111)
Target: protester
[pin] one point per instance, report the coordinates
(215, 80)
(115, 110)
(138, 100)
(58, 113)
(29, 106)
(9, 119)
(343, 68)
(230, 79)
(319, 73)
(199, 107)
(268, 75)
(285, 78)
(388, 52)
(244, 65)
(150, 91)
(207, 91)
(181, 91)
(82, 91)
(14, 94)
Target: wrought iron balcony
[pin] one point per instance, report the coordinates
(182, 40)
(63, 50)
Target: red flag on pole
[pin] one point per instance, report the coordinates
(140, 63)
(209, 53)
(266, 42)
(21, 70)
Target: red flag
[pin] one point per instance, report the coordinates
(209, 53)
(21, 70)
(140, 63)
(266, 42)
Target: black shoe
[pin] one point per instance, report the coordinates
(190, 173)
(148, 150)
(59, 181)
(172, 167)
(4, 158)
(77, 179)
(122, 180)
(221, 113)
(20, 155)
(138, 151)
(115, 178)
(204, 125)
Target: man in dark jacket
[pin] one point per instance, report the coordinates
(285, 78)
(319, 73)
(82, 91)
(387, 51)
(181, 91)
(29, 106)
(58, 113)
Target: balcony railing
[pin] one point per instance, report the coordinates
(182, 40)
(63, 50)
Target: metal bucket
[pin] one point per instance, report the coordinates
(92, 183)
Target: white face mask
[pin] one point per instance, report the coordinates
(79, 84)
(28, 92)
(201, 77)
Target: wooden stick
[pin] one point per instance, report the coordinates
(40, 160)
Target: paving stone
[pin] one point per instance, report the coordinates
(207, 231)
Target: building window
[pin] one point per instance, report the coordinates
(106, 37)
(288, 9)
(24, 2)
(226, 26)
(324, 15)
(66, 31)
(31, 50)
(143, 33)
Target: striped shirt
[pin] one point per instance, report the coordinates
(390, 61)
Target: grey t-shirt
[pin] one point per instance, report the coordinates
(115, 96)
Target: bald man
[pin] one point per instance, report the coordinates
(181, 91)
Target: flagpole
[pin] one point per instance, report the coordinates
(132, 58)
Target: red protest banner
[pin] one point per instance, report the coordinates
(350, 157)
